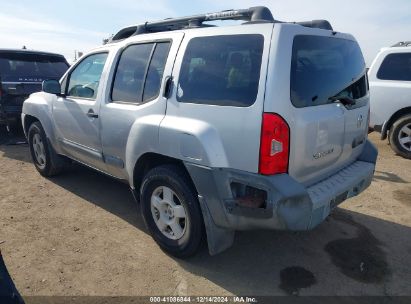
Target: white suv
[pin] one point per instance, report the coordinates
(390, 88)
(215, 129)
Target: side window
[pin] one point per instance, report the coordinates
(221, 70)
(129, 78)
(155, 71)
(139, 72)
(85, 78)
(396, 67)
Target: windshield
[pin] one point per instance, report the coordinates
(323, 67)
(19, 66)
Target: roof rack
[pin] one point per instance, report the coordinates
(257, 14)
(402, 43)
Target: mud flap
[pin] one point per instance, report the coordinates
(218, 239)
(369, 153)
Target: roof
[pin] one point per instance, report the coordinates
(29, 52)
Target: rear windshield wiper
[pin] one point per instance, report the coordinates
(345, 100)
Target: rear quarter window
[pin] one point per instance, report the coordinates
(221, 70)
(396, 67)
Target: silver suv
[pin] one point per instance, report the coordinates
(390, 87)
(216, 129)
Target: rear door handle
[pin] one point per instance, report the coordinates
(91, 114)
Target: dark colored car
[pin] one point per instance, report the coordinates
(8, 292)
(21, 73)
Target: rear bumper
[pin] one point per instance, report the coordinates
(289, 205)
(10, 113)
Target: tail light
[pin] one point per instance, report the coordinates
(274, 145)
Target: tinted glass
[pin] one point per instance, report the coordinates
(85, 78)
(396, 67)
(25, 65)
(323, 67)
(221, 70)
(130, 73)
(155, 71)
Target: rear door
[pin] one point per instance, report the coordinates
(327, 71)
(134, 102)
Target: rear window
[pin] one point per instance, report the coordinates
(396, 67)
(221, 70)
(324, 67)
(26, 65)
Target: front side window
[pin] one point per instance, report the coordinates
(139, 72)
(325, 67)
(396, 67)
(221, 70)
(85, 78)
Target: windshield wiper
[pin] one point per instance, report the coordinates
(345, 100)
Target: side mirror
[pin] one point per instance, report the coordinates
(51, 86)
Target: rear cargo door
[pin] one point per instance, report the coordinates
(328, 91)
(21, 74)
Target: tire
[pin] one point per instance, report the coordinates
(166, 196)
(400, 136)
(45, 159)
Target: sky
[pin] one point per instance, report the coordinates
(66, 26)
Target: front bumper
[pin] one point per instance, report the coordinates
(289, 205)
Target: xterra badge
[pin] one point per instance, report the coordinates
(319, 155)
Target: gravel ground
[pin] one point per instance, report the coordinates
(81, 234)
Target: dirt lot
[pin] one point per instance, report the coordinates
(81, 234)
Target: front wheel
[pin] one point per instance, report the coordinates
(400, 136)
(171, 210)
(45, 159)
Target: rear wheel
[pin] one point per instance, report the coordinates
(171, 211)
(45, 159)
(400, 136)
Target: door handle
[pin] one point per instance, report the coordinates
(91, 114)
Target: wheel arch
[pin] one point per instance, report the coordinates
(393, 119)
(150, 160)
(28, 120)
(39, 107)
